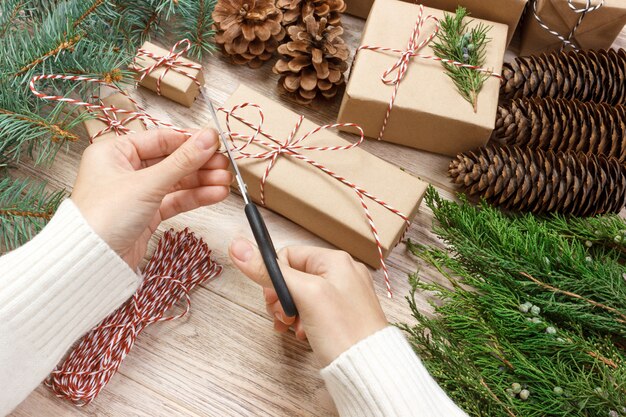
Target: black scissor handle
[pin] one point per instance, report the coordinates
(268, 252)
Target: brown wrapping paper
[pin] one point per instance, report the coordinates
(508, 12)
(429, 113)
(598, 30)
(175, 86)
(318, 202)
(119, 100)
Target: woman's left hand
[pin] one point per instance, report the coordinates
(127, 185)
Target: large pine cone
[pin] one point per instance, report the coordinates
(596, 76)
(314, 61)
(542, 181)
(249, 31)
(294, 11)
(563, 125)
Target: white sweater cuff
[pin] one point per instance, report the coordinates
(382, 376)
(53, 290)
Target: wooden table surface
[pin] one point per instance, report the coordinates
(223, 358)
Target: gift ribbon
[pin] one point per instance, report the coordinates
(583, 11)
(291, 147)
(396, 73)
(106, 114)
(171, 61)
(180, 263)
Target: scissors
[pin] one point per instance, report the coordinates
(259, 230)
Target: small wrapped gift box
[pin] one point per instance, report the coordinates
(110, 124)
(598, 29)
(508, 12)
(311, 197)
(167, 73)
(428, 112)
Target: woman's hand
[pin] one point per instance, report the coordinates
(126, 186)
(335, 296)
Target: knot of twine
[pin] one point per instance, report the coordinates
(171, 61)
(583, 11)
(291, 147)
(181, 262)
(396, 73)
(109, 115)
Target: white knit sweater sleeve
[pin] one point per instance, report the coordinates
(382, 376)
(54, 289)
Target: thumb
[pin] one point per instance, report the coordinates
(247, 258)
(185, 160)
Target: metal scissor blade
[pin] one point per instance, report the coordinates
(240, 182)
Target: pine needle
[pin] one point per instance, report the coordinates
(458, 43)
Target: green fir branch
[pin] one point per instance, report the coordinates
(532, 306)
(456, 42)
(25, 207)
(194, 22)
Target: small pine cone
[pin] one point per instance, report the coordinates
(563, 125)
(249, 31)
(539, 181)
(313, 61)
(294, 11)
(586, 76)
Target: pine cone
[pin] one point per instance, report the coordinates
(313, 61)
(294, 11)
(587, 76)
(249, 31)
(542, 181)
(563, 125)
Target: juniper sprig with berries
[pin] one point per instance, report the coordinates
(457, 42)
(533, 321)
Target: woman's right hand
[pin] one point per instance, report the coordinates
(334, 295)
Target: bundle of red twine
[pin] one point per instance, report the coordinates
(181, 262)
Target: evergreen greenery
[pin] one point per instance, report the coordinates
(533, 321)
(85, 37)
(457, 42)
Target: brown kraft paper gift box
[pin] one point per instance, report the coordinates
(119, 100)
(174, 85)
(598, 29)
(315, 200)
(508, 12)
(428, 113)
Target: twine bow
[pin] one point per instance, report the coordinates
(400, 67)
(106, 114)
(583, 11)
(171, 61)
(291, 147)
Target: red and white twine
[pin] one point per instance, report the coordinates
(583, 11)
(106, 114)
(171, 61)
(181, 262)
(291, 147)
(412, 51)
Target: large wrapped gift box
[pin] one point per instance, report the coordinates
(313, 199)
(428, 113)
(94, 126)
(598, 29)
(508, 12)
(174, 85)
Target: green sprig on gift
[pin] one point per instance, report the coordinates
(532, 319)
(456, 42)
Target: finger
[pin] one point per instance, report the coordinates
(280, 327)
(217, 161)
(188, 158)
(186, 200)
(299, 330)
(314, 260)
(246, 256)
(275, 310)
(205, 177)
(270, 295)
(155, 143)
